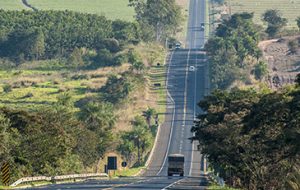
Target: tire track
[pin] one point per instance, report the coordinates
(25, 2)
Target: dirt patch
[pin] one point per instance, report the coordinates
(283, 66)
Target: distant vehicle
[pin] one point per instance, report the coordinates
(191, 68)
(176, 164)
(177, 46)
(202, 26)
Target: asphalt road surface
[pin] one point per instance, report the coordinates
(186, 87)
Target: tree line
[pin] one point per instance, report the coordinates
(229, 51)
(233, 50)
(60, 139)
(28, 35)
(251, 138)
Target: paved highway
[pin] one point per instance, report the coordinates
(186, 87)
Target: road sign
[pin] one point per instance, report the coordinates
(5, 173)
(112, 163)
(124, 164)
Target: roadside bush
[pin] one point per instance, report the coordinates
(133, 56)
(260, 70)
(7, 88)
(80, 77)
(24, 83)
(293, 46)
(116, 89)
(28, 95)
(6, 64)
(119, 59)
(103, 58)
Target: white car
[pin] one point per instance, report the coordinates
(191, 68)
(177, 46)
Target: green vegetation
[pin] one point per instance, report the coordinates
(289, 9)
(136, 143)
(27, 35)
(71, 81)
(252, 138)
(235, 44)
(158, 19)
(275, 22)
(260, 70)
(129, 172)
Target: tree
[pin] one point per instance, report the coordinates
(274, 20)
(148, 114)
(250, 137)
(37, 45)
(260, 70)
(137, 67)
(5, 136)
(99, 118)
(98, 115)
(298, 22)
(126, 31)
(236, 40)
(75, 58)
(163, 16)
(141, 136)
(116, 89)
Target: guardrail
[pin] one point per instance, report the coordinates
(58, 178)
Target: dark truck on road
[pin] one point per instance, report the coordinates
(176, 164)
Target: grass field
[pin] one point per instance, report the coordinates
(113, 9)
(12, 5)
(290, 9)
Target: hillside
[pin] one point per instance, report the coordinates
(283, 66)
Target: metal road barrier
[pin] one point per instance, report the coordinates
(58, 178)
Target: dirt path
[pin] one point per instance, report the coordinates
(25, 2)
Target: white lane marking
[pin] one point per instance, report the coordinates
(185, 91)
(172, 123)
(172, 184)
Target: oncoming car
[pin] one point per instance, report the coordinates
(191, 68)
(177, 46)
